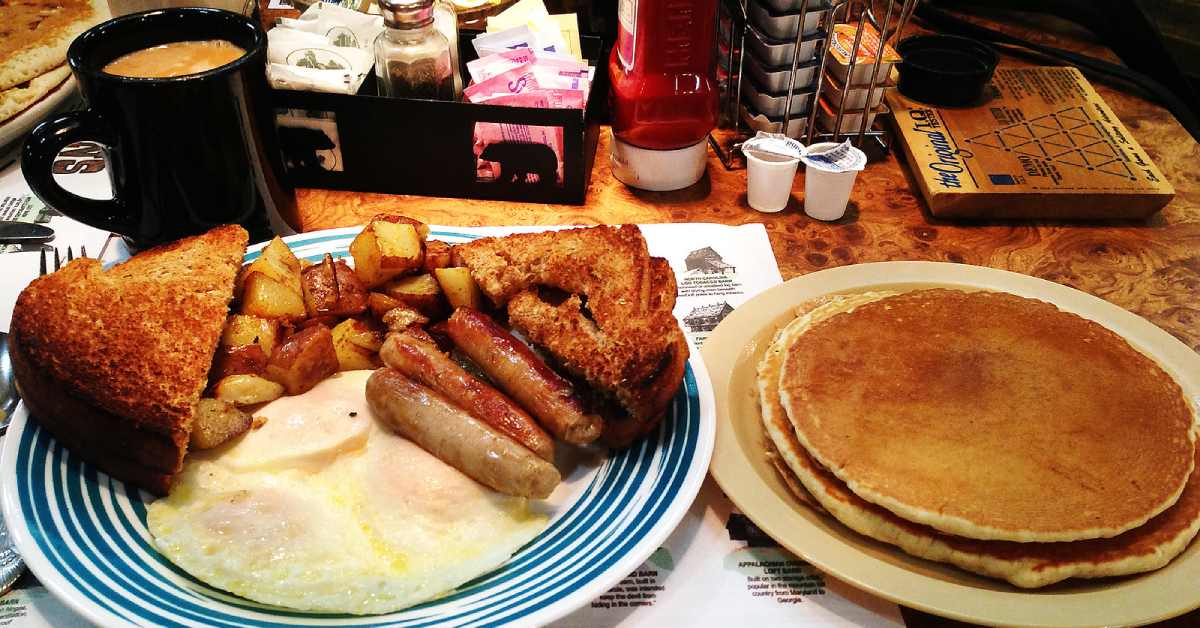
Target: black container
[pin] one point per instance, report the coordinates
(945, 70)
(369, 143)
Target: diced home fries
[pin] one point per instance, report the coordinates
(296, 322)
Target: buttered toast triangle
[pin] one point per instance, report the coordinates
(597, 301)
(113, 362)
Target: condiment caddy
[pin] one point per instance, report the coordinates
(370, 143)
(821, 91)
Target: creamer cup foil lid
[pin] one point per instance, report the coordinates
(842, 41)
(774, 143)
(841, 158)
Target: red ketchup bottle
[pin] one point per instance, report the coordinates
(664, 96)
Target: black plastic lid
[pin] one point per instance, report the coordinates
(945, 69)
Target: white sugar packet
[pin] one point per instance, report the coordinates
(511, 39)
(340, 26)
(485, 68)
(327, 49)
(306, 61)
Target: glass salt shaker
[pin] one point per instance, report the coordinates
(412, 58)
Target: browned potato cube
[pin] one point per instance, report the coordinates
(247, 390)
(238, 360)
(422, 228)
(303, 360)
(437, 255)
(365, 334)
(419, 291)
(217, 422)
(328, 320)
(460, 288)
(400, 246)
(384, 250)
(268, 298)
(319, 282)
(277, 262)
(357, 345)
(365, 251)
(352, 294)
(402, 317)
(380, 303)
(241, 329)
(332, 288)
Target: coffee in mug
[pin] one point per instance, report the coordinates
(178, 58)
(189, 147)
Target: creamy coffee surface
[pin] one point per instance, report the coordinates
(179, 58)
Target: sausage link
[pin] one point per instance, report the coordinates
(518, 371)
(457, 438)
(422, 361)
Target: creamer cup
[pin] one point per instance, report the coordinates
(830, 171)
(771, 162)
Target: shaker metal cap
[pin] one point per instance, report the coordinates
(406, 13)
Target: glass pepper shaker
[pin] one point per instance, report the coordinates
(412, 58)
(445, 17)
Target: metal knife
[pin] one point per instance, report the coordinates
(13, 232)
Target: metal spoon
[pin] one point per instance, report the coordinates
(8, 385)
(11, 564)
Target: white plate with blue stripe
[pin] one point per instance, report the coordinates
(84, 535)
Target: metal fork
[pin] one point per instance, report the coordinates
(57, 259)
(11, 564)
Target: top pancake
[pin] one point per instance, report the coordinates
(989, 416)
(1145, 548)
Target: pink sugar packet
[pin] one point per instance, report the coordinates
(485, 68)
(514, 81)
(542, 99)
(547, 63)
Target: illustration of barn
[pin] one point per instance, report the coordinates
(707, 317)
(708, 261)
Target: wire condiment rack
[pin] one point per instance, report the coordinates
(889, 18)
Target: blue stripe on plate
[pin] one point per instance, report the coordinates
(105, 554)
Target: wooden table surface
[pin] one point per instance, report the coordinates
(1151, 268)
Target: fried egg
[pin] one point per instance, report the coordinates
(324, 509)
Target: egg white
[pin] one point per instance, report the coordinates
(323, 509)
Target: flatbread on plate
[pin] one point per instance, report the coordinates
(35, 35)
(17, 99)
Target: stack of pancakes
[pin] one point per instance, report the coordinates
(34, 37)
(985, 430)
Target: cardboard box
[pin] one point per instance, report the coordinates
(1043, 146)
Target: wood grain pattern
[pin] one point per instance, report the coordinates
(1150, 267)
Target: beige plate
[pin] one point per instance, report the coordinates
(738, 464)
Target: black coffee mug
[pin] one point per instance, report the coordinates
(185, 153)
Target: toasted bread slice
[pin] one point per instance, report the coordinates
(613, 327)
(113, 362)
